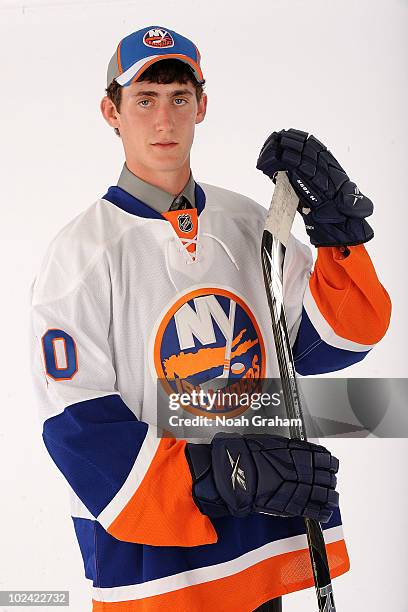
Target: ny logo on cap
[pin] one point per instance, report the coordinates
(158, 38)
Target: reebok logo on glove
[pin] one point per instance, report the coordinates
(307, 191)
(238, 474)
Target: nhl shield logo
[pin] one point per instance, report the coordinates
(158, 39)
(185, 223)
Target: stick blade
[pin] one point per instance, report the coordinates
(282, 209)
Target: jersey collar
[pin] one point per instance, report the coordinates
(153, 196)
(135, 206)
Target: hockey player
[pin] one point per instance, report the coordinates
(161, 279)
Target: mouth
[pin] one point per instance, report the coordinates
(165, 145)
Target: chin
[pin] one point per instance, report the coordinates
(167, 165)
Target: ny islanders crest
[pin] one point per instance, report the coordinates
(208, 339)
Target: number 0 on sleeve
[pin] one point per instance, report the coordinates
(60, 354)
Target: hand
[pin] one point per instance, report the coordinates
(240, 475)
(331, 205)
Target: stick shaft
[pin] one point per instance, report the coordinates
(273, 256)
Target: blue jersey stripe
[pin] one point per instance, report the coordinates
(123, 563)
(313, 355)
(95, 443)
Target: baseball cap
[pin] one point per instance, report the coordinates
(137, 51)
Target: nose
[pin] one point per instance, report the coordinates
(164, 118)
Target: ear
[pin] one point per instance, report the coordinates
(201, 109)
(109, 112)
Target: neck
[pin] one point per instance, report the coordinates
(172, 181)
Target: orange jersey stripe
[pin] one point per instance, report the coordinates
(349, 295)
(162, 511)
(245, 590)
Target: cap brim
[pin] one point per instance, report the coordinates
(134, 72)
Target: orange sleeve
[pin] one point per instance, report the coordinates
(349, 294)
(162, 511)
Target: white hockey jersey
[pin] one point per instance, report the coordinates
(127, 296)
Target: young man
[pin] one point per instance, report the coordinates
(158, 280)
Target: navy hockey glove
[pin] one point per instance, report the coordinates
(240, 475)
(331, 205)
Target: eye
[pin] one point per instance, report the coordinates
(144, 103)
(180, 101)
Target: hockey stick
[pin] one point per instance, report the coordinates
(219, 382)
(274, 241)
(228, 346)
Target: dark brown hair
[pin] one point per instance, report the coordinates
(163, 72)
